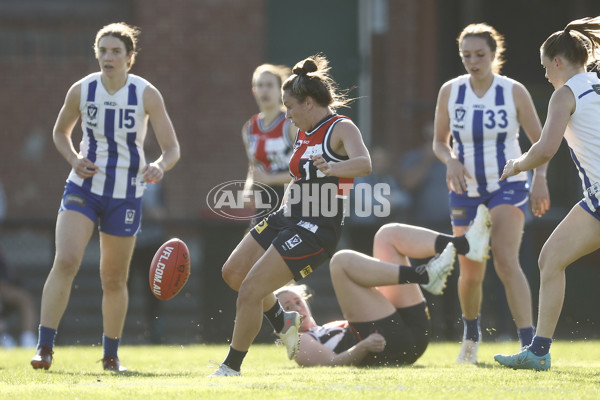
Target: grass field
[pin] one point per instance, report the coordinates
(179, 373)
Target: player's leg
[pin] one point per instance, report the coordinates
(507, 232)
(73, 232)
(116, 252)
(241, 260)
(354, 277)
(577, 235)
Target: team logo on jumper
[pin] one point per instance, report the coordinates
(234, 200)
(293, 242)
(129, 216)
(91, 112)
(596, 88)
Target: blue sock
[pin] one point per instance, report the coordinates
(110, 346)
(540, 346)
(46, 337)
(525, 336)
(472, 329)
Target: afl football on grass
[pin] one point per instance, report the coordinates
(170, 269)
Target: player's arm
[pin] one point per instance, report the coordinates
(251, 167)
(560, 108)
(455, 170)
(63, 128)
(312, 353)
(165, 135)
(346, 140)
(529, 120)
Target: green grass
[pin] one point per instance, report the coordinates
(179, 373)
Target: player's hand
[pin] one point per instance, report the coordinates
(539, 196)
(152, 173)
(84, 168)
(510, 169)
(375, 343)
(456, 175)
(321, 164)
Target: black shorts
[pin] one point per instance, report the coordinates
(300, 249)
(406, 333)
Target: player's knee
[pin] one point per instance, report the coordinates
(341, 260)
(385, 233)
(67, 263)
(112, 282)
(231, 275)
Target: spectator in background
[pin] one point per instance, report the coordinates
(363, 222)
(268, 136)
(14, 297)
(424, 177)
(152, 235)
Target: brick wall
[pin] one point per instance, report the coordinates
(199, 54)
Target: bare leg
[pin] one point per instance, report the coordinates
(469, 282)
(73, 232)
(268, 274)
(395, 243)
(355, 277)
(507, 231)
(577, 235)
(116, 252)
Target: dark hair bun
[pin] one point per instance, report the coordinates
(304, 67)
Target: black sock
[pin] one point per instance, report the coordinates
(460, 243)
(275, 316)
(235, 358)
(416, 274)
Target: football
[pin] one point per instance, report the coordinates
(170, 269)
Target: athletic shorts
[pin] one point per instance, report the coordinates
(595, 214)
(464, 208)
(301, 250)
(119, 217)
(406, 334)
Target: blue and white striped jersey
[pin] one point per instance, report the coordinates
(114, 127)
(485, 132)
(583, 134)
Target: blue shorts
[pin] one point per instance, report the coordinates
(595, 214)
(464, 208)
(119, 217)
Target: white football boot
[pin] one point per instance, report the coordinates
(478, 235)
(438, 269)
(224, 370)
(468, 352)
(289, 335)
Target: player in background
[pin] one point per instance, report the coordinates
(387, 320)
(269, 136)
(572, 116)
(289, 244)
(482, 112)
(106, 183)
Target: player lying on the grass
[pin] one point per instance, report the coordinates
(387, 321)
(573, 114)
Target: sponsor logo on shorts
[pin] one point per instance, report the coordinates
(308, 226)
(304, 272)
(75, 200)
(459, 213)
(293, 242)
(129, 216)
(261, 226)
